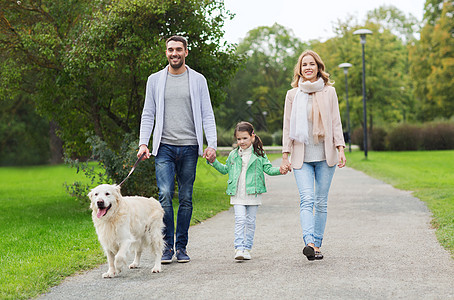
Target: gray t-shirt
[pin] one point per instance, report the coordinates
(178, 129)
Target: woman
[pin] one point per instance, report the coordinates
(312, 135)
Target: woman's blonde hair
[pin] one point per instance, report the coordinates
(297, 74)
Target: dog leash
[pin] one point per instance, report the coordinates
(133, 167)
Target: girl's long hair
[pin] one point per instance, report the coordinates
(321, 68)
(257, 144)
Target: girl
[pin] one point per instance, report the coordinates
(245, 166)
(312, 134)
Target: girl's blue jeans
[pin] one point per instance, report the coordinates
(313, 181)
(244, 226)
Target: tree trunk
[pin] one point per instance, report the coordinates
(55, 144)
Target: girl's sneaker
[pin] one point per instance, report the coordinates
(246, 254)
(239, 254)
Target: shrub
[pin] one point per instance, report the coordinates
(24, 135)
(405, 137)
(225, 137)
(429, 136)
(266, 137)
(438, 136)
(113, 167)
(277, 138)
(377, 139)
(357, 137)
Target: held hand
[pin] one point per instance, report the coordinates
(142, 149)
(342, 158)
(283, 170)
(209, 154)
(285, 165)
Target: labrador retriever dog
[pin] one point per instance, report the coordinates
(126, 224)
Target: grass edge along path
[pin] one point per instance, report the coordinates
(48, 236)
(428, 174)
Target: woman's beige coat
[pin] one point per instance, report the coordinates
(329, 111)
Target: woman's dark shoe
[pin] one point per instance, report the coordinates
(309, 252)
(318, 255)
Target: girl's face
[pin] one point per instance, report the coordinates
(244, 139)
(309, 68)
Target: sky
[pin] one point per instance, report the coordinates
(308, 19)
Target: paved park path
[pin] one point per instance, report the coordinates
(378, 244)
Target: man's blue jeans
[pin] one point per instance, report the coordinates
(182, 162)
(314, 202)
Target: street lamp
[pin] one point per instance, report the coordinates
(345, 66)
(264, 113)
(362, 33)
(249, 104)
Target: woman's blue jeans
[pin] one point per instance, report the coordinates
(313, 181)
(182, 162)
(244, 226)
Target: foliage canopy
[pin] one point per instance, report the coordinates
(87, 61)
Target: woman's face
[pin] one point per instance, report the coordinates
(309, 68)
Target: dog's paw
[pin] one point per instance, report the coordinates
(109, 274)
(120, 263)
(134, 265)
(156, 269)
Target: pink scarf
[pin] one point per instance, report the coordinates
(298, 120)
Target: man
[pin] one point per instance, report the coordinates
(177, 98)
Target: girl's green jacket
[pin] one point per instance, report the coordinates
(255, 180)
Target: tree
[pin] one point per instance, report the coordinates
(387, 81)
(271, 53)
(432, 11)
(89, 60)
(33, 36)
(441, 80)
(432, 60)
(395, 21)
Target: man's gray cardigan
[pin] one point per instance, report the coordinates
(154, 108)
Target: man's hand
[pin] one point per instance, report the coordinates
(142, 149)
(209, 154)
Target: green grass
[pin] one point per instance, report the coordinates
(429, 174)
(209, 197)
(46, 235)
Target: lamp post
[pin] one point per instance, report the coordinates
(362, 33)
(264, 113)
(345, 67)
(249, 104)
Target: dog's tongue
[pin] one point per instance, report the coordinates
(101, 212)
